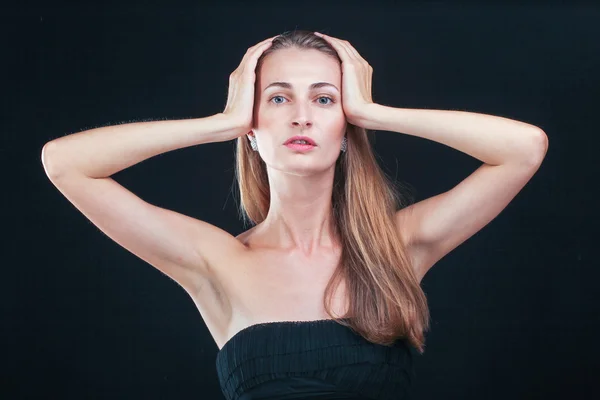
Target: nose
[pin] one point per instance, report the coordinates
(302, 117)
(302, 122)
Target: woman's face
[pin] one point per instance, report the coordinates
(299, 109)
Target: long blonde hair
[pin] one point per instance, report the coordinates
(386, 301)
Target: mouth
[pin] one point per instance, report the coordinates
(300, 140)
(294, 145)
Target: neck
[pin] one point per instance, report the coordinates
(300, 215)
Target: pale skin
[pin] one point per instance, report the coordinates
(512, 152)
(290, 256)
(301, 184)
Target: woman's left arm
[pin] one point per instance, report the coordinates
(511, 151)
(491, 139)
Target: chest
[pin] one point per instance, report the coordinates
(275, 287)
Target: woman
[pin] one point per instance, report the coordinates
(321, 298)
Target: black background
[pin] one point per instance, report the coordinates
(514, 309)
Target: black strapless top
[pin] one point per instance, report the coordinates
(312, 360)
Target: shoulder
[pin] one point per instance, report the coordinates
(211, 296)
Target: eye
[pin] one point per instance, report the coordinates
(328, 98)
(275, 97)
(331, 101)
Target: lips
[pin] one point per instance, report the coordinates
(305, 138)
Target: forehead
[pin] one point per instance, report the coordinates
(301, 67)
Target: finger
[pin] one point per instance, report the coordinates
(268, 40)
(260, 45)
(352, 54)
(360, 61)
(350, 50)
(253, 53)
(257, 50)
(337, 45)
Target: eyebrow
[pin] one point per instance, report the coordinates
(314, 86)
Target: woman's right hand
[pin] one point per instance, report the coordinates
(240, 96)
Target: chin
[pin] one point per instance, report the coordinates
(305, 167)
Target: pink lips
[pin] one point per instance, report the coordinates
(305, 138)
(300, 147)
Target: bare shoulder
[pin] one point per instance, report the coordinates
(224, 257)
(222, 254)
(223, 247)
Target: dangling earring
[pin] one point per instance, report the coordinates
(253, 143)
(344, 144)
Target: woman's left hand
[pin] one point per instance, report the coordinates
(357, 77)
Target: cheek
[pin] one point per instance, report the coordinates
(264, 118)
(339, 126)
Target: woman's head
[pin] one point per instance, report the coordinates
(301, 59)
(386, 301)
(298, 92)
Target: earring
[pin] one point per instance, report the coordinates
(253, 143)
(344, 144)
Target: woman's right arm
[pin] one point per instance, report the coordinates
(102, 152)
(80, 166)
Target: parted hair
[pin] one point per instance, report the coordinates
(386, 301)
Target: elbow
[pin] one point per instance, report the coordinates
(540, 145)
(533, 149)
(49, 160)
